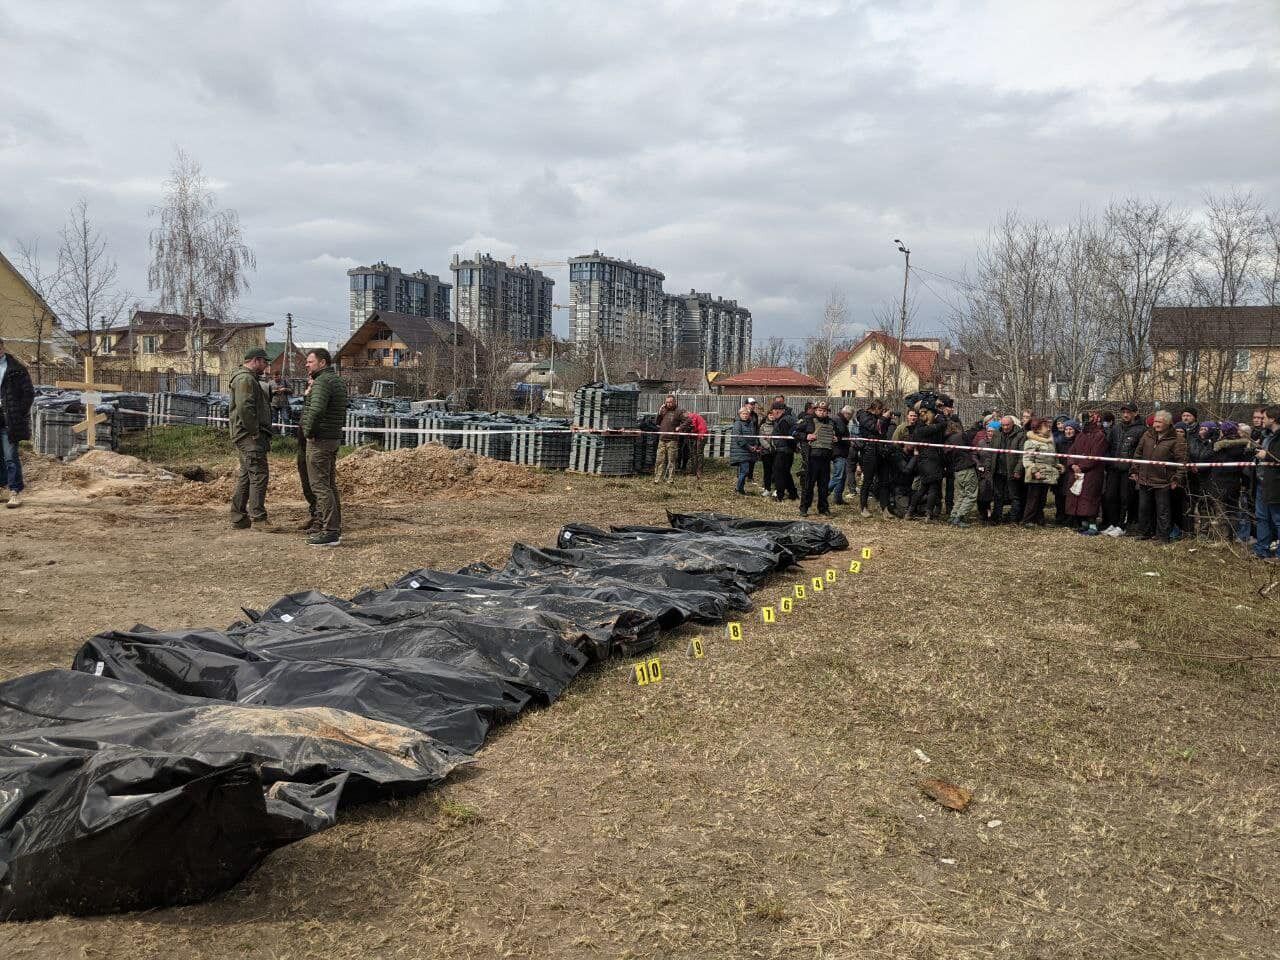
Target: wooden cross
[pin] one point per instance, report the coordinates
(92, 397)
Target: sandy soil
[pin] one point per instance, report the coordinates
(1117, 731)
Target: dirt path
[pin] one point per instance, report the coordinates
(760, 802)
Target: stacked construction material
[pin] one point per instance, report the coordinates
(488, 438)
(598, 406)
(609, 455)
(180, 407)
(365, 425)
(719, 442)
(647, 445)
(132, 411)
(545, 443)
(52, 434)
(405, 431)
(166, 765)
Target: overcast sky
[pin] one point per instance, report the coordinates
(762, 151)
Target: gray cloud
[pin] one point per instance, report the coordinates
(765, 151)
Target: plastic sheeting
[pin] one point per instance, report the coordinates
(166, 765)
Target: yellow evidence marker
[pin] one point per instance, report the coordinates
(735, 631)
(855, 566)
(800, 592)
(866, 553)
(787, 604)
(696, 650)
(650, 671)
(817, 584)
(831, 575)
(768, 615)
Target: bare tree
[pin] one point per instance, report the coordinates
(45, 284)
(1077, 311)
(87, 297)
(1224, 275)
(1007, 307)
(1147, 248)
(777, 352)
(830, 339)
(199, 259)
(1267, 282)
(885, 371)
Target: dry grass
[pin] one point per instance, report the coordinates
(763, 801)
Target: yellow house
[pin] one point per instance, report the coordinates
(166, 342)
(1215, 356)
(28, 325)
(867, 370)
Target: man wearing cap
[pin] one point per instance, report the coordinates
(249, 420)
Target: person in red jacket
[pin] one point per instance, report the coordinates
(1086, 476)
(698, 444)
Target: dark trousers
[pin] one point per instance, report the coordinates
(817, 474)
(322, 456)
(1113, 498)
(927, 496)
(1007, 490)
(949, 489)
(1037, 496)
(784, 484)
(744, 471)
(307, 493)
(249, 499)
(1059, 503)
(1155, 511)
(766, 470)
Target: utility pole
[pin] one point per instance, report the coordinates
(288, 343)
(197, 341)
(902, 320)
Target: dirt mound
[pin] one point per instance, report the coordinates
(96, 473)
(423, 471)
(367, 474)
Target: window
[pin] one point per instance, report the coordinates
(853, 371)
(1242, 361)
(150, 343)
(104, 343)
(375, 354)
(848, 393)
(197, 344)
(1188, 360)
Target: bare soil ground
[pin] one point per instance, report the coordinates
(1108, 703)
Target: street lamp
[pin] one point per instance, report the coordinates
(902, 320)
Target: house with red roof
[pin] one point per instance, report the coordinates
(868, 369)
(769, 380)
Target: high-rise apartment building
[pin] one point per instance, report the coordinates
(498, 301)
(699, 330)
(615, 303)
(382, 287)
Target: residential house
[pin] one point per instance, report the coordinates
(30, 329)
(767, 381)
(1215, 355)
(276, 359)
(168, 342)
(867, 370)
(389, 339)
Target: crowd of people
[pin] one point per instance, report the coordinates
(1107, 473)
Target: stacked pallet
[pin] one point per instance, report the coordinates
(719, 442)
(488, 438)
(608, 455)
(180, 407)
(51, 433)
(544, 443)
(601, 407)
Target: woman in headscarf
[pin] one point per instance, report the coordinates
(1064, 435)
(1040, 471)
(1085, 476)
(1222, 485)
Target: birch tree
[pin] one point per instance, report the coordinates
(86, 295)
(199, 259)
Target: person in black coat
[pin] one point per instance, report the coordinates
(931, 428)
(877, 462)
(16, 396)
(784, 453)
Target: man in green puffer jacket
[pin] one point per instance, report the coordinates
(249, 419)
(324, 415)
